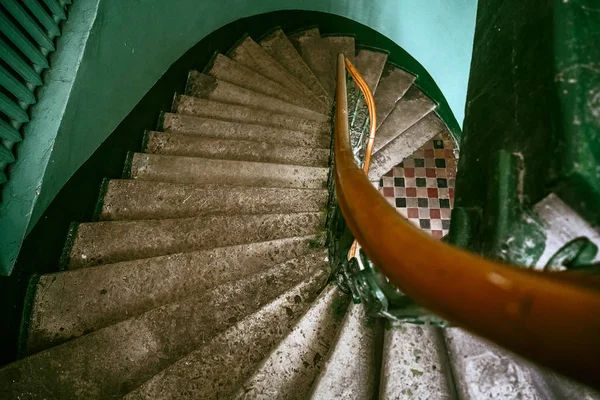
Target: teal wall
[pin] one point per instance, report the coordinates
(100, 78)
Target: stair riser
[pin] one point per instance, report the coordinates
(207, 87)
(202, 171)
(110, 242)
(202, 127)
(134, 200)
(189, 146)
(227, 112)
(201, 375)
(113, 361)
(70, 304)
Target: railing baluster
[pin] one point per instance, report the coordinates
(42, 16)
(18, 64)
(28, 23)
(22, 42)
(14, 86)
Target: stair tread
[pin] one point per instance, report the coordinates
(299, 36)
(315, 53)
(211, 88)
(349, 370)
(127, 199)
(412, 107)
(112, 361)
(393, 84)
(370, 64)
(291, 367)
(249, 53)
(97, 243)
(70, 304)
(200, 375)
(341, 44)
(194, 106)
(415, 361)
(278, 46)
(176, 169)
(213, 128)
(228, 70)
(231, 149)
(404, 145)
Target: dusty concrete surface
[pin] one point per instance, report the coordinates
(341, 45)
(315, 52)
(212, 128)
(249, 53)
(370, 64)
(291, 367)
(128, 199)
(278, 46)
(410, 109)
(99, 243)
(201, 375)
(239, 150)
(155, 167)
(209, 87)
(393, 84)
(229, 112)
(71, 303)
(404, 145)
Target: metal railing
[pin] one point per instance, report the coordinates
(27, 32)
(552, 318)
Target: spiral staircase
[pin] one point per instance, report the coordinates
(205, 273)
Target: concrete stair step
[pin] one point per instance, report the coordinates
(228, 70)
(214, 370)
(350, 371)
(341, 44)
(211, 88)
(127, 199)
(316, 54)
(411, 108)
(296, 38)
(113, 361)
(371, 63)
(173, 144)
(290, 368)
(229, 112)
(393, 84)
(415, 364)
(70, 304)
(404, 145)
(278, 46)
(250, 54)
(212, 128)
(97, 243)
(201, 171)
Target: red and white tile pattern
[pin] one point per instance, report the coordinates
(422, 186)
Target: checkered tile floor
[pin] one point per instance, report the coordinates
(422, 186)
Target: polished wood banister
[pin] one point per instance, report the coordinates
(552, 321)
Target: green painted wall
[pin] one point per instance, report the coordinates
(131, 44)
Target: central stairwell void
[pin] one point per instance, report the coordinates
(205, 273)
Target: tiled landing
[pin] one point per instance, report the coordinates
(422, 186)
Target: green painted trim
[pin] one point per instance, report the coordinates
(28, 304)
(65, 256)
(127, 166)
(100, 202)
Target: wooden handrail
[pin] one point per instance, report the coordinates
(552, 321)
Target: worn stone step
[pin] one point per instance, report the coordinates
(289, 370)
(404, 145)
(201, 171)
(299, 36)
(415, 364)
(214, 370)
(173, 144)
(97, 243)
(113, 361)
(228, 70)
(315, 52)
(371, 63)
(127, 199)
(194, 106)
(278, 46)
(250, 54)
(211, 88)
(212, 128)
(411, 108)
(70, 304)
(393, 84)
(349, 371)
(341, 44)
